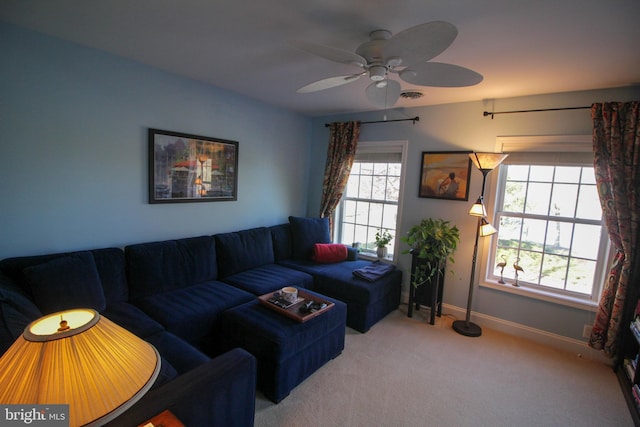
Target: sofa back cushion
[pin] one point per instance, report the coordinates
(243, 250)
(108, 262)
(16, 312)
(156, 267)
(282, 242)
(305, 233)
(66, 282)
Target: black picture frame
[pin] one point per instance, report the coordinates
(185, 168)
(436, 179)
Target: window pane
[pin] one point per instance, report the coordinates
(352, 186)
(393, 189)
(361, 234)
(541, 173)
(348, 234)
(554, 271)
(395, 169)
(538, 198)
(375, 214)
(533, 231)
(580, 277)
(389, 218)
(563, 201)
(517, 173)
(349, 211)
(509, 232)
(589, 203)
(586, 241)
(362, 212)
(364, 187)
(379, 188)
(380, 169)
(568, 174)
(366, 168)
(588, 176)
(514, 196)
(558, 239)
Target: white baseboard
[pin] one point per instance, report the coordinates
(577, 347)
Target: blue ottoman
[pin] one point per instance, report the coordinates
(287, 351)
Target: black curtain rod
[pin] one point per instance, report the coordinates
(413, 119)
(492, 113)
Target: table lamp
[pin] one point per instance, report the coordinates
(80, 358)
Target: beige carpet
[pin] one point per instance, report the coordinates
(405, 372)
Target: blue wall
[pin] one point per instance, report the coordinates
(73, 144)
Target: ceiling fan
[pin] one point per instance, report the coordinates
(406, 54)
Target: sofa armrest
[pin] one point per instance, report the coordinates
(221, 392)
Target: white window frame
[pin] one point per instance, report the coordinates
(381, 147)
(546, 144)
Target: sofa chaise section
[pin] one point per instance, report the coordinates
(367, 301)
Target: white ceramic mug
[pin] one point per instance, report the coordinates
(290, 294)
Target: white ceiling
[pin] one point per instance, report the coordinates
(520, 47)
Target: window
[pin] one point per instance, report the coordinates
(550, 222)
(373, 196)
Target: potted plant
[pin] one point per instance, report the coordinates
(433, 241)
(382, 240)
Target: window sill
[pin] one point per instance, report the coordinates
(542, 295)
(372, 257)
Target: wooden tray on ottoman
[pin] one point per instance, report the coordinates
(293, 311)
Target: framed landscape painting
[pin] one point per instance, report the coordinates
(191, 168)
(445, 175)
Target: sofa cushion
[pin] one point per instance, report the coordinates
(306, 232)
(132, 319)
(192, 313)
(269, 278)
(243, 250)
(67, 282)
(282, 241)
(16, 312)
(158, 267)
(180, 354)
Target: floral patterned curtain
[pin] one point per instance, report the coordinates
(343, 140)
(616, 145)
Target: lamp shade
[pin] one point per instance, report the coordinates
(477, 209)
(486, 229)
(82, 359)
(487, 161)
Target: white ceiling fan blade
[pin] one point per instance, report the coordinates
(420, 43)
(383, 97)
(438, 74)
(331, 53)
(329, 83)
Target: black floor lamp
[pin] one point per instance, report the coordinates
(485, 162)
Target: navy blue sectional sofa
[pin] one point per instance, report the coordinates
(195, 300)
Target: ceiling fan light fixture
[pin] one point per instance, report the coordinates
(381, 84)
(377, 73)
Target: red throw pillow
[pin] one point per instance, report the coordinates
(329, 252)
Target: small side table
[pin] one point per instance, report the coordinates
(428, 294)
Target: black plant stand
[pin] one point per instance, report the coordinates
(428, 294)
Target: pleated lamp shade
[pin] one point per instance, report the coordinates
(82, 359)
